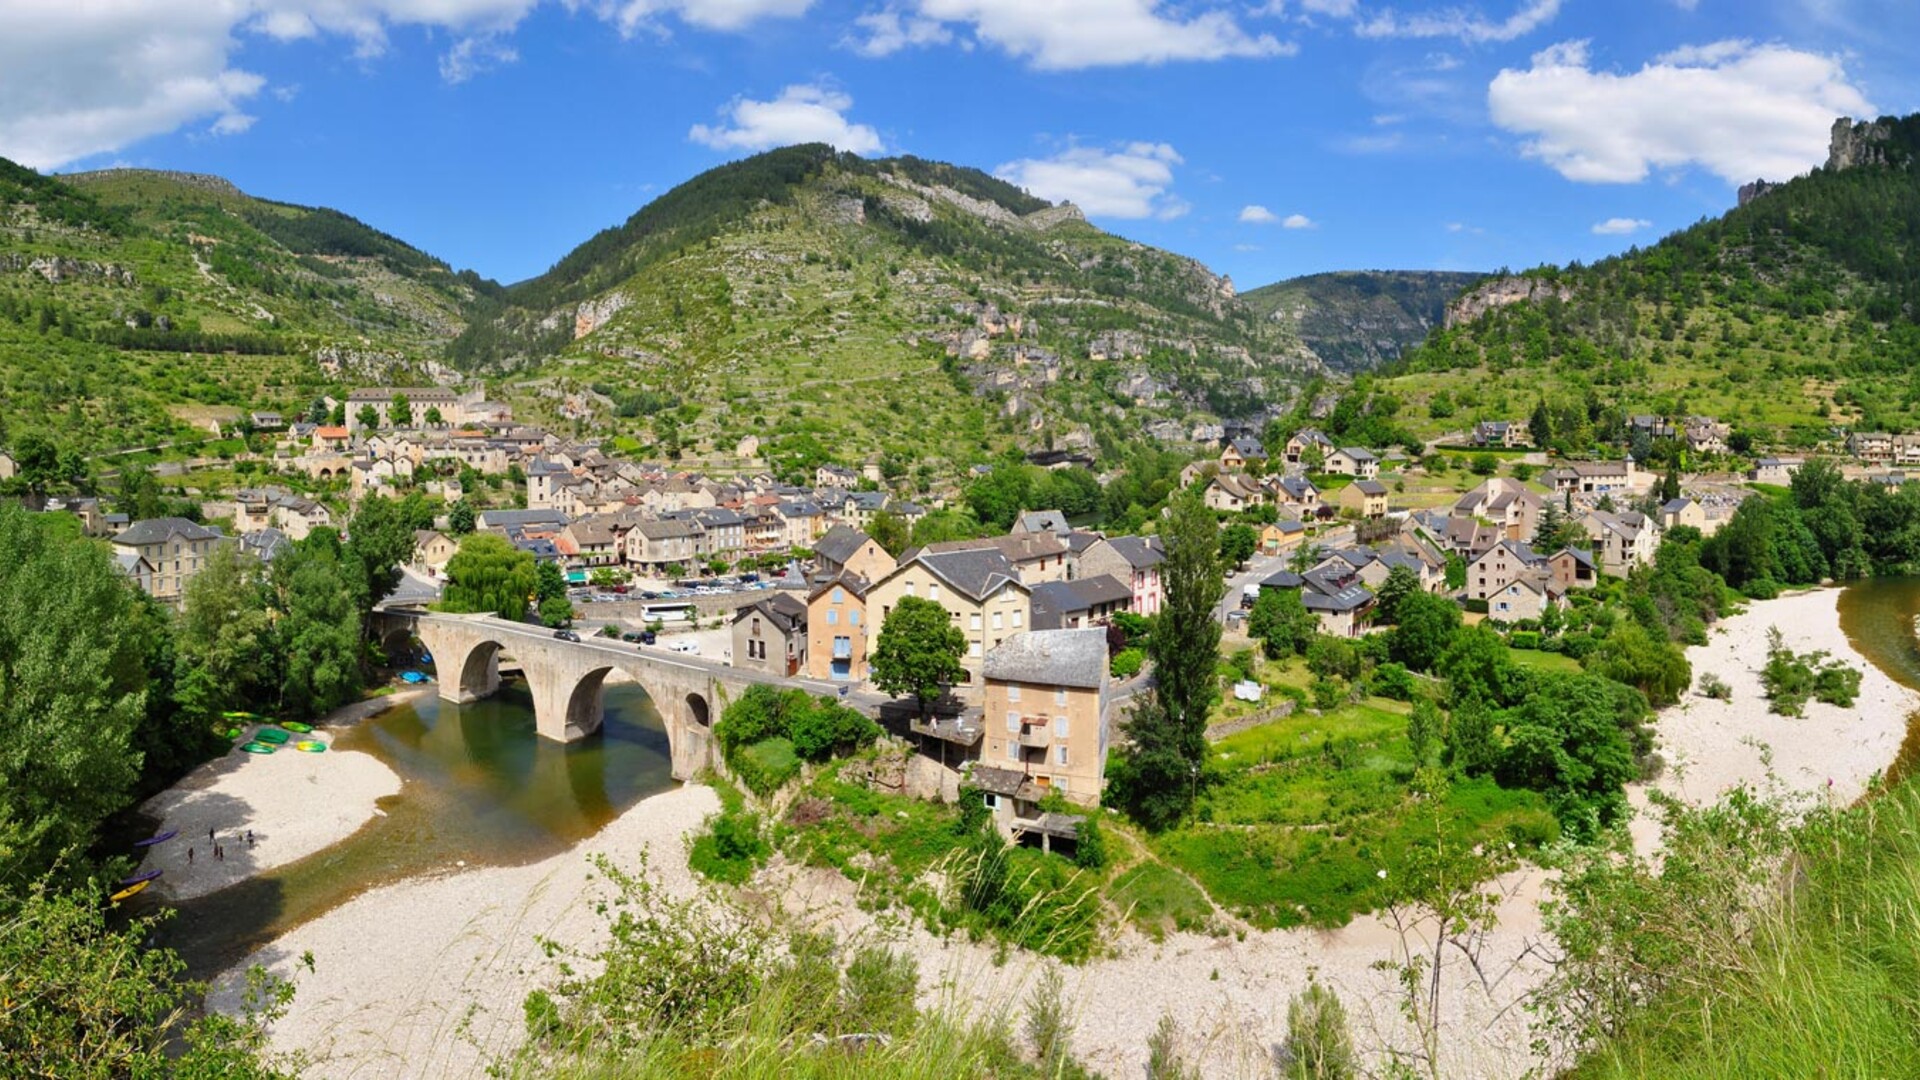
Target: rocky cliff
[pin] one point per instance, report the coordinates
(1501, 292)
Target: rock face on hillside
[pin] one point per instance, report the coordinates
(1858, 143)
(1750, 192)
(1356, 320)
(1500, 292)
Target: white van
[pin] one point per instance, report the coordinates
(685, 647)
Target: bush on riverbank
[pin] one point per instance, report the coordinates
(731, 846)
(1792, 678)
(697, 987)
(765, 733)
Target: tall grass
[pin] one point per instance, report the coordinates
(1827, 982)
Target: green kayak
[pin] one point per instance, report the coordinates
(296, 726)
(272, 735)
(311, 746)
(257, 748)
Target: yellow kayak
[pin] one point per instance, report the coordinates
(131, 890)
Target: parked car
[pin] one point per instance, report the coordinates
(648, 637)
(566, 635)
(689, 647)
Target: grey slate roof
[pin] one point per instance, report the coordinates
(161, 530)
(1052, 521)
(840, 543)
(1139, 551)
(266, 544)
(787, 612)
(1370, 487)
(1075, 658)
(1053, 600)
(501, 519)
(975, 573)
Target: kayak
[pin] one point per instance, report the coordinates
(272, 735)
(296, 726)
(157, 838)
(257, 748)
(311, 746)
(138, 878)
(130, 890)
(239, 714)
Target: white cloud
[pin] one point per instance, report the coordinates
(1131, 181)
(1258, 215)
(233, 123)
(1620, 226)
(83, 78)
(632, 16)
(1461, 228)
(1460, 23)
(1065, 35)
(888, 31)
(801, 114)
(1737, 109)
(1298, 221)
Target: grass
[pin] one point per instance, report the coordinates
(1307, 810)
(1535, 660)
(1159, 899)
(1825, 986)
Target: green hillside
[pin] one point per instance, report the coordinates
(1784, 317)
(134, 301)
(812, 300)
(1356, 320)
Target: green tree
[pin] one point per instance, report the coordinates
(1401, 583)
(86, 999)
(1238, 543)
(400, 411)
(1540, 425)
(38, 461)
(369, 417)
(490, 574)
(72, 693)
(225, 654)
(1425, 726)
(318, 630)
(552, 581)
(889, 530)
(1566, 743)
(1472, 746)
(433, 416)
(460, 519)
(380, 540)
(1456, 571)
(1485, 465)
(1633, 657)
(1319, 1044)
(1670, 484)
(556, 612)
(918, 652)
(1159, 774)
(1428, 624)
(139, 494)
(1281, 623)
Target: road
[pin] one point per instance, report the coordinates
(1262, 567)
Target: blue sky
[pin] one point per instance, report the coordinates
(1267, 139)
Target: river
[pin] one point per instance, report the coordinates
(478, 787)
(1878, 618)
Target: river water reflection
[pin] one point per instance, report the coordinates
(478, 787)
(1878, 617)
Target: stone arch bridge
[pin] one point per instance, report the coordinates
(568, 678)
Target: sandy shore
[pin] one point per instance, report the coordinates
(426, 978)
(295, 804)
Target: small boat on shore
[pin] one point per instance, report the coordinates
(157, 838)
(138, 878)
(311, 746)
(257, 748)
(296, 727)
(131, 890)
(270, 735)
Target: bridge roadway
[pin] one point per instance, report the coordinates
(568, 678)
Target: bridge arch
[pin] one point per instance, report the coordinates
(477, 672)
(586, 707)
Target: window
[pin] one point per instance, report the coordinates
(1013, 750)
(756, 626)
(1018, 618)
(1060, 727)
(973, 649)
(1060, 758)
(1013, 693)
(973, 621)
(990, 801)
(997, 621)
(909, 588)
(933, 590)
(1060, 696)
(1013, 721)
(853, 617)
(1060, 782)
(833, 617)
(839, 596)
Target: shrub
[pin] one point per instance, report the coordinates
(1127, 663)
(1090, 847)
(1328, 694)
(730, 847)
(1715, 687)
(1391, 681)
(1524, 639)
(766, 765)
(1319, 1046)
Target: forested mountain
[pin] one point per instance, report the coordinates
(1786, 317)
(811, 300)
(134, 301)
(1356, 320)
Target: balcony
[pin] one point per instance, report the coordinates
(1034, 735)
